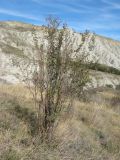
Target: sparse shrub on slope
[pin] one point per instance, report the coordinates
(104, 68)
(118, 87)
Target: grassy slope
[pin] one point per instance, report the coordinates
(86, 131)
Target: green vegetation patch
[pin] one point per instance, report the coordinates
(104, 68)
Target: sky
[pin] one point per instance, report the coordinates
(99, 16)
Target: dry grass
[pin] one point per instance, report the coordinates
(16, 90)
(92, 130)
(86, 131)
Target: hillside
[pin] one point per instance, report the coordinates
(84, 127)
(87, 130)
(16, 39)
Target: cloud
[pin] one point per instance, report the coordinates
(18, 14)
(97, 26)
(67, 6)
(112, 5)
(92, 27)
(74, 9)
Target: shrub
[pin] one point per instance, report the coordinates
(103, 68)
(118, 87)
(109, 85)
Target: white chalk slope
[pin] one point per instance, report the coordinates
(16, 39)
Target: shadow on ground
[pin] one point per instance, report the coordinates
(28, 117)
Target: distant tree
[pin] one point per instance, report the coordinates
(52, 74)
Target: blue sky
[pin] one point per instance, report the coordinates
(100, 16)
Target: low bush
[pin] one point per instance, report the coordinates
(104, 68)
(109, 85)
(118, 87)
